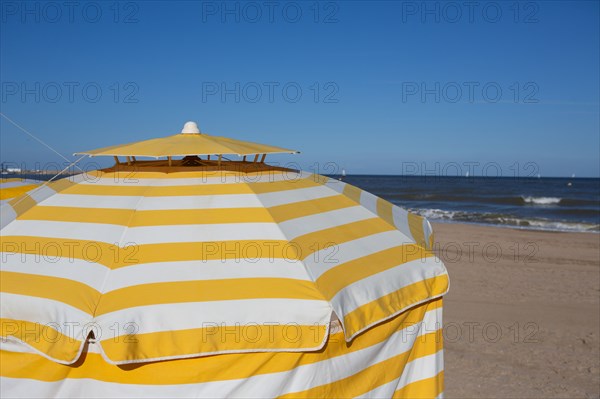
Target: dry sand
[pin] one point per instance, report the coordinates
(522, 319)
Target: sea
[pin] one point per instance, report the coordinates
(556, 204)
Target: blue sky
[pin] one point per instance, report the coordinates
(373, 87)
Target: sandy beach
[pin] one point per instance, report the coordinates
(522, 319)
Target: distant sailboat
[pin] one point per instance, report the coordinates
(343, 174)
(467, 174)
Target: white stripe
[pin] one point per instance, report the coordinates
(66, 230)
(419, 369)
(427, 231)
(382, 391)
(203, 233)
(45, 312)
(181, 316)
(41, 193)
(94, 274)
(126, 236)
(204, 270)
(134, 179)
(7, 215)
(142, 203)
(83, 271)
(93, 201)
(20, 183)
(292, 196)
(400, 217)
(336, 185)
(79, 178)
(14, 345)
(257, 386)
(17, 346)
(309, 224)
(380, 284)
(369, 201)
(328, 258)
(189, 202)
(200, 202)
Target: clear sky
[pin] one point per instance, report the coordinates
(374, 87)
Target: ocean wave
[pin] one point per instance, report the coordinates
(516, 200)
(541, 200)
(504, 220)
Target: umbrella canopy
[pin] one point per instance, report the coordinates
(296, 281)
(189, 142)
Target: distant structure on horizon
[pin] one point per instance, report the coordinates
(4, 170)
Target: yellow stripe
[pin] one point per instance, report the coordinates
(71, 292)
(88, 299)
(202, 189)
(137, 218)
(61, 184)
(428, 388)
(385, 306)
(415, 224)
(12, 192)
(46, 338)
(338, 278)
(375, 375)
(10, 180)
(281, 213)
(214, 339)
(114, 257)
(352, 192)
(385, 210)
(309, 243)
(83, 215)
(201, 216)
(222, 367)
(132, 176)
(22, 203)
(206, 290)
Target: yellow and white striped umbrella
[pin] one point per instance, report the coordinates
(217, 283)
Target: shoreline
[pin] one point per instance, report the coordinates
(522, 318)
(435, 222)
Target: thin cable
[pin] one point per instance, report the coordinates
(38, 139)
(48, 181)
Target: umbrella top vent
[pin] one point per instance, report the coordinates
(190, 128)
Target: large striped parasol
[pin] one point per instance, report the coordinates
(209, 278)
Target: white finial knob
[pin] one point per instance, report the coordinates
(190, 128)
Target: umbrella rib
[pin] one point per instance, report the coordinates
(125, 229)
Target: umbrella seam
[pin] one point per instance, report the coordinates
(221, 352)
(103, 286)
(308, 272)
